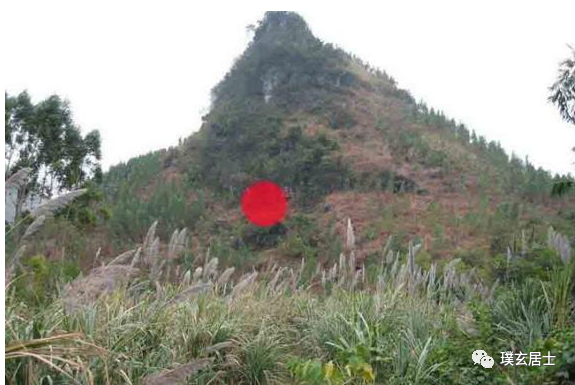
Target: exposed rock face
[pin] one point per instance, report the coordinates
(270, 81)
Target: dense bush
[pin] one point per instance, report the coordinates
(257, 237)
(242, 145)
(133, 214)
(44, 279)
(302, 238)
(537, 263)
(339, 118)
(137, 195)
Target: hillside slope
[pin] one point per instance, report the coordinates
(452, 249)
(347, 143)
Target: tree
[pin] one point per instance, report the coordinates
(44, 138)
(563, 90)
(563, 96)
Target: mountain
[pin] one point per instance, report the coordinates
(346, 142)
(414, 251)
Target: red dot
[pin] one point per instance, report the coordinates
(264, 203)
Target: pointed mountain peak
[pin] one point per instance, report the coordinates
(284, 64)
(283, 26)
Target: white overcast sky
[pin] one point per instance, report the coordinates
(141, 72)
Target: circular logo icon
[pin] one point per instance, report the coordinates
(487, 362)
(478, 355)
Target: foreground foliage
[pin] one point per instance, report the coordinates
(394, 323)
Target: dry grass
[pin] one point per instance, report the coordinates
(18, 180)
(60, 353)
(84, 291)
(179, 374)
(53, 205)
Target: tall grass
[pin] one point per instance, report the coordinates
(337, 326)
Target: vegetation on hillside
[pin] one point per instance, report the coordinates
(410, 242)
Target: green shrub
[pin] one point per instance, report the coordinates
(246, 143)
(561, 344)
(340, 118)
(537, 263)
(258, 238)
(40, 279)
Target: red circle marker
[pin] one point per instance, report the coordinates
(264, 203)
